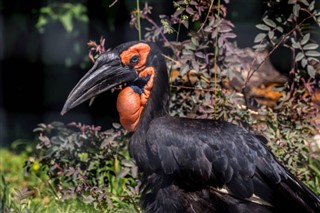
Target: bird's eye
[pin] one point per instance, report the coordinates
(134, 59)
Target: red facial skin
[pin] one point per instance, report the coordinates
(130, 104)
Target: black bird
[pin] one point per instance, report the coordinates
(188, 165)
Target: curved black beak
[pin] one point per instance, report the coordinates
(106, 73)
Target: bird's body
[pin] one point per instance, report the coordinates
(189, 165)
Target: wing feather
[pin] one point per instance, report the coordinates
(215, 152)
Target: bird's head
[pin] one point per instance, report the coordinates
(134, 65)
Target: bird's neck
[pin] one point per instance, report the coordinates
(158, 101)
(146, 98)
(156, 106)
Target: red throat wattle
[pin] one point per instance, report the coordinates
(130, 104)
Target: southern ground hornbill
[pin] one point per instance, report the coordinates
(188, 165)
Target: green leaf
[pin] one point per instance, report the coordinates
(305, 2)
(190, 46)
(313, 59)
(292, 1)
(260, 37)
(311, 6)
(270, 34)
(200, 54)
(260, 46)
(305, 39)
(116, 125)
(263, 27)
(66, 21)
(280, 29)
(299, 56)
(42, 21)
(311, 71)
(184, 70)
(296, 9)
(311, 46)
(195, 41)
(304, 62)
(295, 44)
(313, 53)
(269, 22)
(123, 173)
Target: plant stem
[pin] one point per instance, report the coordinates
(166, 41)
(215, 57)
(138, 17)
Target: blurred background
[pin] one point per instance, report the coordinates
(43, 53)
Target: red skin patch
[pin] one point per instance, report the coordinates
(140, 49)
(130, 104)
(129, 108)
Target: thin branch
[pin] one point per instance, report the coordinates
(215, 56)
(192, 88)
(138, 19)
(207, 16)
(169, 58)
(113, 3)
(161, 33)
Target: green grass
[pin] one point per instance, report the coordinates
(32, 192)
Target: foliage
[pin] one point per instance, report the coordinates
(87, 164)
(209, 55)
(293, 31)
(64, 12)
(72, 19)
(93, 166)
(20, 192)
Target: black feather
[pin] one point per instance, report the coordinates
(190, 165)
(184, 162)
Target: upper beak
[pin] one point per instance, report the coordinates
(106, 73)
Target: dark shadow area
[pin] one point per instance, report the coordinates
(38, 70)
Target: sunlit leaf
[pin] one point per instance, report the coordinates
(296, 9)
(313, 59)
(294, 44)
(66, 21)
(260, 37)
(305, 39)
(260, 46)
(270, 34)
(123, 172)
(313, 53)
(184, 69)
(311, 6)
(304, 62)
(269, 22)
(311, 71)
(310, 46)
(263, 27)
(190, 46)
(305, 2)
(280, 29)
(230, 35)
(299, 56)
(195, 41)
(200, 54)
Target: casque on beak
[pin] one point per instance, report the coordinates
(106, 73)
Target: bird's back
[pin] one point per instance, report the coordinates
(212, 166)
